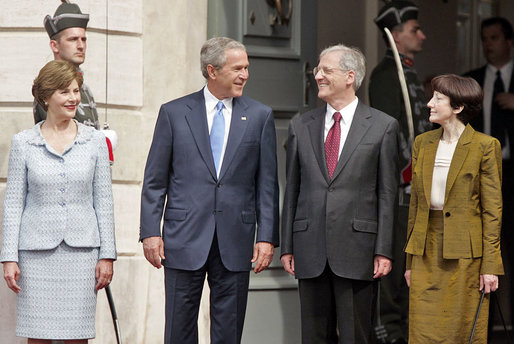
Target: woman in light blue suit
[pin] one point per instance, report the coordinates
(58, 242)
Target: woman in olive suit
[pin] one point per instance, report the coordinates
(453, 235)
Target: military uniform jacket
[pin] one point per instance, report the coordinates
(385, 94)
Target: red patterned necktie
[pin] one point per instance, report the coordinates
(332, 144)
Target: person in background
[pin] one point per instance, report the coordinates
(68, 42)
(385, 94)
(497, 116)
(453, 235)
(58, 243)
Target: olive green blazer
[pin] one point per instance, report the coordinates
(472, 207)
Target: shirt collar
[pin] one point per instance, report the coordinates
(505, 70)
(211, 101)
(407, 62)
(346, 113)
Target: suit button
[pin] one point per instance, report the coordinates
(331, 189)
(214, 212)
(219, 185)
(447, 214)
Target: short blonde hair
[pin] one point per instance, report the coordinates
(55, 75)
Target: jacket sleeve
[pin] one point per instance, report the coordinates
(103, 201)
(292, 191)
(388, 179)
(155, 183)
(413, 206)
(491, 202)
(14, 202)
(267, 185)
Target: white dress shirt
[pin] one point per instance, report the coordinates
(490, 77)
(346, 121)
(210, 108)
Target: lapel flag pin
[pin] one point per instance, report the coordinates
(243, 118)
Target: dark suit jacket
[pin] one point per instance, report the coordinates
(472, 203)
(478, 122)
(180, 170)
(349, 219)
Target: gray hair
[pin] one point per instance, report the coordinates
(351, 59)
(213, 53)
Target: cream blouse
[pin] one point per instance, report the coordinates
(443, 159)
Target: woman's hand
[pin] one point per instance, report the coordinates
(407, 277)
(11, 276)
(104, 273)
(488, 283)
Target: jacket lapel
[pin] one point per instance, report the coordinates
(237, 131)
(459, 156)
(429, 161)
(316, 131)
(360, 125)
(197, 120)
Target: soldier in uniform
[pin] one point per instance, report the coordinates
(67, 32)
(400, 17)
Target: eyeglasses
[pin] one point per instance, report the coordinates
(326, 70)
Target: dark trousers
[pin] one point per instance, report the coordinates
(336, 309)
(394, 293)
(228, 297)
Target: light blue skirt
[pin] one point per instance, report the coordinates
(57, 298)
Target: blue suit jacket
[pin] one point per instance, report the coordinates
(180, 170)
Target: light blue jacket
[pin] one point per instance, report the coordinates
(52, 197)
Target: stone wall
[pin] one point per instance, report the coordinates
(152, 52)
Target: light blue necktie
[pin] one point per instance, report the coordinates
(217, 135)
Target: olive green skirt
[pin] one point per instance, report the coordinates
(444, 294)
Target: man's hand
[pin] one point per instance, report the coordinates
(382, 266)
(11, 276)
(505, 100)
(154, 250)
(288, 263)
(488, 283)
(263, 255)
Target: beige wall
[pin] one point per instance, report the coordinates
(153, 49)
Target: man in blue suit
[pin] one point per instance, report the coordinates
(213, 162)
